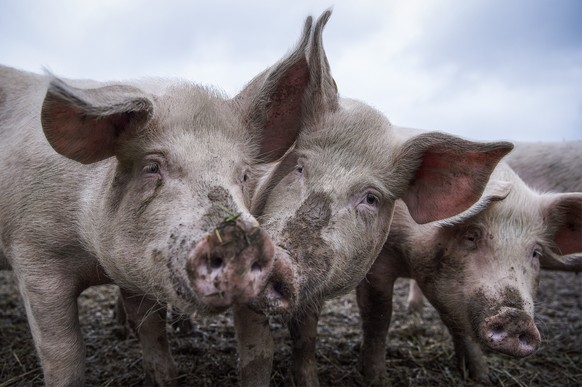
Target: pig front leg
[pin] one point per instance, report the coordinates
(375, 304)
(147, 318)
(255, 346)
(51, 307)
(303, 330)
(469, 355)
(415, 300)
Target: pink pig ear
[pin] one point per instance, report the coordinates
(86, 124)
(447, 174)
(563, 217)
(273, 101)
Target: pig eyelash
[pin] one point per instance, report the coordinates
(536, 253)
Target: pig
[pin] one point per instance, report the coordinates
(142, 184)
(479, 269)
(549, 166)
(328, 205)
(544, 166)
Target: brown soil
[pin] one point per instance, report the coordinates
(419, 351)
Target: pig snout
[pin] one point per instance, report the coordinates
(280, 293)
(512, 332)
(232, 264)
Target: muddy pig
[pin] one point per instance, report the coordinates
(479, 269)
(141, 184)
(328, 204)
(544, 166)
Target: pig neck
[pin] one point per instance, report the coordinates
(401, 247)
(410, 245)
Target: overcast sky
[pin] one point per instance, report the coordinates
(482, 69)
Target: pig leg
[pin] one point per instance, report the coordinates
(415, 301)
(375, 305)
(303, 329)
(255, 346)
(469, 355)
(148, 320)
(51, 307)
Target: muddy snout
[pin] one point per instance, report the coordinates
(512, 332)
(232, 264)
(281, 291)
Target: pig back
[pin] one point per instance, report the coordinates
(40, 197)
(549, 166)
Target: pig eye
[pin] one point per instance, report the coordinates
(536, 253)
(471, 237)
(152, 168)
(245, 176)
(299, 169)
(371, 199)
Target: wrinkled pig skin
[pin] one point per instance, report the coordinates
(328, 205)
(159, 208)
(480, 270)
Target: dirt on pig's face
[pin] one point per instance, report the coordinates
(176, 210)
(484, 273)
(330, 215)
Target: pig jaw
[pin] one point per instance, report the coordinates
(503, 325)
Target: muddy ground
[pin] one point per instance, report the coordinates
(419, 351)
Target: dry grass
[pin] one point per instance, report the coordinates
(419, 350)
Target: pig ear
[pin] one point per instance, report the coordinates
(563, 216)
(272, 102)
(86, 124)
(495, 191)
(446, 174)
(323, 94)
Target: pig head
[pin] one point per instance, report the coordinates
(479, 269)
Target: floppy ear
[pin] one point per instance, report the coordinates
(495, 191)
(86, 125)
(272, 102)
(563, 217)
(445, 175)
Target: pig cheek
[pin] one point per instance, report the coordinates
(446, 279)
(174, 258)
(303, 234)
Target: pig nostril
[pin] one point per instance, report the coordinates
(278, 288)
(256, 267)
(525, 339)
(497, 329)
(216, 262)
